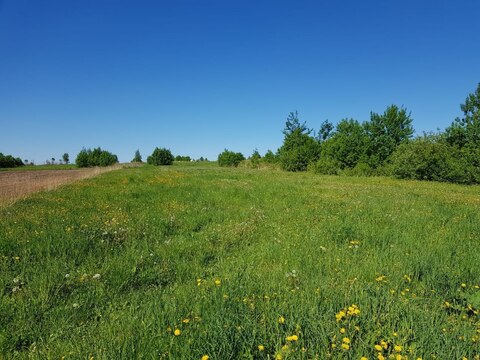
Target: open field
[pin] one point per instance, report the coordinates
(15, 184)
(192, 260)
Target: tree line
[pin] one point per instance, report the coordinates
(383, 145)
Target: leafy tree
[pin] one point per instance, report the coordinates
(182, 158)
(95, 157)
(293, 124)
(464, 133)
(387, 131)
(137, 158)
(269, 157)
(230, 158)
(432, 158)
(161, 156)
(66, 158)
(325, 132)
(8, 161)
(298, 148)
(347, 146)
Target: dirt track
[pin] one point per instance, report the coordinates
(18, 184)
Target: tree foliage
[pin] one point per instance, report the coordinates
(95, 157)
(8, 161)
(160, 156)
(137, 158)
(230, 158)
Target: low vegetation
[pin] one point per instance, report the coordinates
(194, 260)
(160, 156)
(8, 161)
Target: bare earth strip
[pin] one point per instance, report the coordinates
(15, 185)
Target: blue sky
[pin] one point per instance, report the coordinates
(198, 76)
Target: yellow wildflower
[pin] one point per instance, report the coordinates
(261, 347)
(378, 347)
(345, 346)
(342, 331)
(397, 348)
(281, 320)
(217, 282)
(205, 357)
(346, 340)
(177, 332)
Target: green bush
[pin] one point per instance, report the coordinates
(432, 158)
(8, 161)
(230, 158)
(161, 156)
(326, 166)
(95, 157)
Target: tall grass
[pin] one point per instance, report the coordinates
(187, 261)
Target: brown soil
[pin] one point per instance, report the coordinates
(18, 184)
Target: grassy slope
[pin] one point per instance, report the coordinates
(297, 246)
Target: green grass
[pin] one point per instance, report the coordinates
(281, 245)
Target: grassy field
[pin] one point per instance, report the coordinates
(42, 167)
(191, 261)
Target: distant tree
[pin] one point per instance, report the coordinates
(325, 131)
(298, 148)
(464, 133)
(348, 146)
(8, 161)
(230, 158)
(182, 158)
(95, 157)
(386, 132)
(269, 157)
(66, 158)
(137, 158)
(53, 160)
(161, 156)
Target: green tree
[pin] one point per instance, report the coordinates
(161, 156)
(66, 158)
(95, 157)
(347, 146)
(230, 158)
(298, 149)
(386, 132)
(137, 158)
(269, 157)
(464, 133)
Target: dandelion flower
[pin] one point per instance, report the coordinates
(177, 332)
(205, 357)
(218, 282)
(281, 320)
(397, 348)
(261, 347)
(378, 347)
(342, 331)
(345, 346)
(346, 340)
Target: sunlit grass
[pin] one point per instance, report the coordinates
(194, 260)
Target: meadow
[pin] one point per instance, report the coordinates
(202, 262)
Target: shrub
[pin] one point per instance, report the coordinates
(95, 157)
(326, 166)
(8, 161)
(431, 158)
(161, 156)
(230, 158)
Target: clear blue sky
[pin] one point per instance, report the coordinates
(197, 76)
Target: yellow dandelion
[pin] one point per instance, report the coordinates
(398, 348)
(186, 321)
(346, 340)
(177, 332)
(463, 285)
(281, 320)
(342, 331)
(378, 347)
(205, 357)
(380, 357)
(398, 357)
(261, 347)
(345, 346)
(363, 358)
(218, 282)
